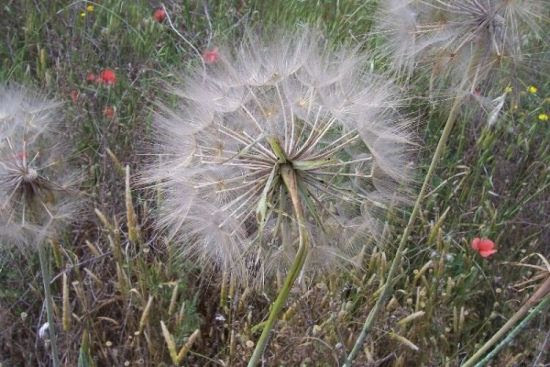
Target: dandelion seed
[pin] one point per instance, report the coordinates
(452, 36)
(494, 113)
(43, 330)
(280, 103)
(398, 25)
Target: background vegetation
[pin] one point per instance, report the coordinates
(124, 301)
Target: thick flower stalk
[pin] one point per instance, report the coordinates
(37, 193)
(280, 154)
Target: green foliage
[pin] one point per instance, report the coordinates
(495, 181)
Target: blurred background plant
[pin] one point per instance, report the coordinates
(115, 283)
(38, 189)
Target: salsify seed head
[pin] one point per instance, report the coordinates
(37, 186)
(291, 101)
(448, 35)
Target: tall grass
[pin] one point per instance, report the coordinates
(121, 297)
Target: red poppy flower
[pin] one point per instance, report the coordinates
(109, 112)
(484, 246)
(159, 15)
(91, 77)
(107, 77)
(211, 56)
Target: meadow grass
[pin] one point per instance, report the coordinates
(122, 297)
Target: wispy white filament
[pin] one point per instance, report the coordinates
(448, 35)
(36, 183)
(337, 125)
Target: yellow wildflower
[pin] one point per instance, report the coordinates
(508, 89)
(532, 89)
(543, 117)
(89, 8)
(83, 14)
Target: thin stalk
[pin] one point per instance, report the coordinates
(470, 78)
(533, 313)
(387, 287)
(542, 291)
(289, 178)
(46, 279)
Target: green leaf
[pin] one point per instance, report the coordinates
(261, 210)
(84, 356)
(277, 150)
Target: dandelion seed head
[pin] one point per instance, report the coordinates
(36, 193)
(287, 100)
(448, 35)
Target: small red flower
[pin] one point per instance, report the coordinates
(159, 15)
(109, 112)
(107, 77)
(91, 77)
(211, 56)
(484, 246)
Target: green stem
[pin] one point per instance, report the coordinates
(46, 279)
(387, 287)
(289, 178)
(533, 313)
(541, 292)
(470, 78)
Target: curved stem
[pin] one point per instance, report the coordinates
(46, 279)
(289, 178)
